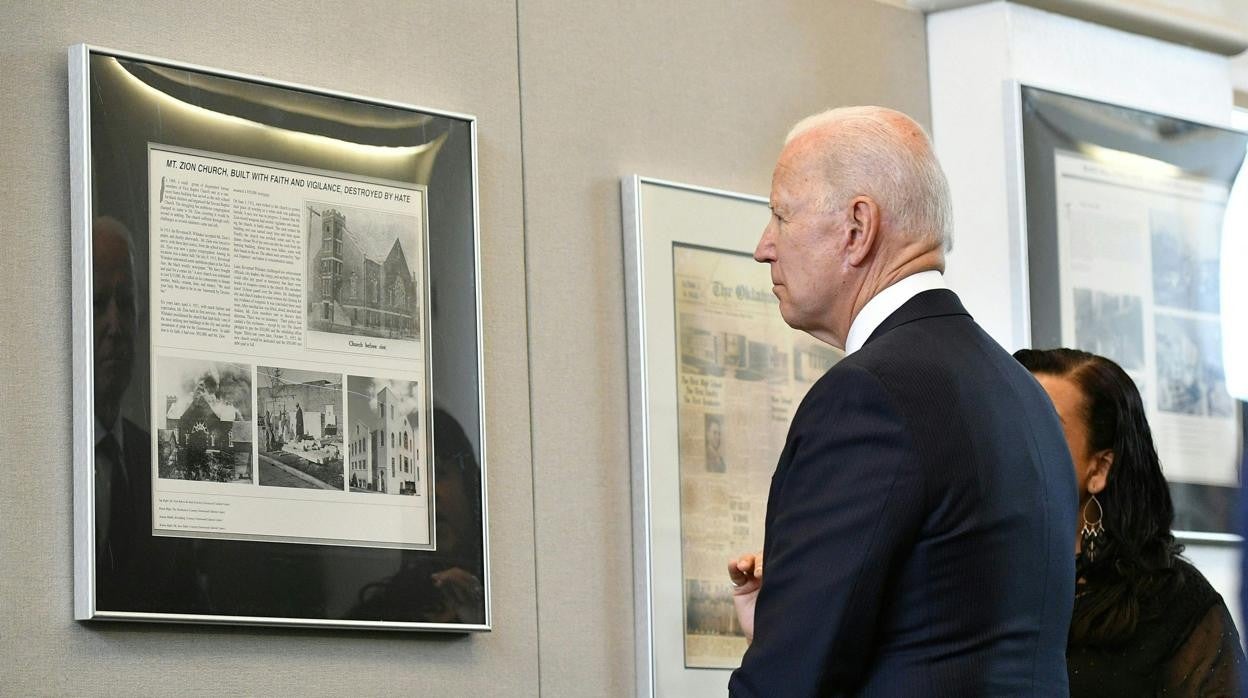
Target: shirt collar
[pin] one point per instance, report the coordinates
(116, 430)
(886, 303)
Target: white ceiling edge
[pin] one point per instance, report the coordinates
(1212, 30)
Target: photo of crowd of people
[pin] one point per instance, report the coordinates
(1190, 378)
(1186, 261)
(1112, 325)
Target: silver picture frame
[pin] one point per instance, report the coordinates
(687, 639)
(1144, 175)
(426, 571)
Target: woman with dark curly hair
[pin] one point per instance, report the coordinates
(1145, 622)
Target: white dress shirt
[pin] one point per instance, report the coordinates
(117, 431)
(886, 303)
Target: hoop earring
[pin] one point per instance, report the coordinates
(1092, 535)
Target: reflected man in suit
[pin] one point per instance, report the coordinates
(918, 520)
(114, 295)
(133, 571)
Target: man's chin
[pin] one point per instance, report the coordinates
(110, 366)
(790, 318)
(111, 380)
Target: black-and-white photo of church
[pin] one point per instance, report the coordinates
(363, 272)
(205, 432)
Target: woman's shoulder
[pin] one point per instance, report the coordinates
(1192, 583)
(1188, 600)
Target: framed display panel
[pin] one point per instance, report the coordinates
(715, 376)
(1124, 219)
(277, 353)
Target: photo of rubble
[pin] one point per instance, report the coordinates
(300, 416)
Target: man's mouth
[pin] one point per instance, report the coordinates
(111, 360)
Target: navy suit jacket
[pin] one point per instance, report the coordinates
(920, 525)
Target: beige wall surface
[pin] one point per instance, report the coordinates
(697, 92)
(453, 56)
(570, 97)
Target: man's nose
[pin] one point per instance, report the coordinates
(765, 250)
(111, 315)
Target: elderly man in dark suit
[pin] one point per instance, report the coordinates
(122, 502)
(918, 524)
(134, 571)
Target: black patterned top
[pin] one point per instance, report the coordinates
(1184, 645)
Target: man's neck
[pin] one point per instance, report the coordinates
(881, 276)
(887, 302)
(108, 423)
(108, 417)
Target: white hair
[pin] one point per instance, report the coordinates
(886, 155)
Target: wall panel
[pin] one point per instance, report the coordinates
(453, 56)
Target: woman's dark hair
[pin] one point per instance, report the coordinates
(1136, 560)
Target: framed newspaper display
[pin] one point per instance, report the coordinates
(715, 376)
(277, 353)
(1124, 220)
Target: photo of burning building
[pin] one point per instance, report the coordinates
(205, 432)
(362, 272)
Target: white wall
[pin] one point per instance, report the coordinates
(975, 54)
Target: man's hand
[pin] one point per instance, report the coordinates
(746, 573)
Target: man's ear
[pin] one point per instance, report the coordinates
(863, 231)
(1098, 475)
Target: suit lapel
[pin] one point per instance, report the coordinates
(935, 303)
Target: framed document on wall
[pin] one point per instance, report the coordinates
(277, 353)
(1124, 214)
(715, 376)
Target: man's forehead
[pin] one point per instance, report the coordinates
(110, 251)
(794, 169)
(107, 237)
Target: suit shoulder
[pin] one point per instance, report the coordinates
(946, 350)
(847, 373)
(879, 368)
(847, 387)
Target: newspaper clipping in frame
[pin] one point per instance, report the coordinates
(289, 381)
(1139, 244)
(741, 374)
